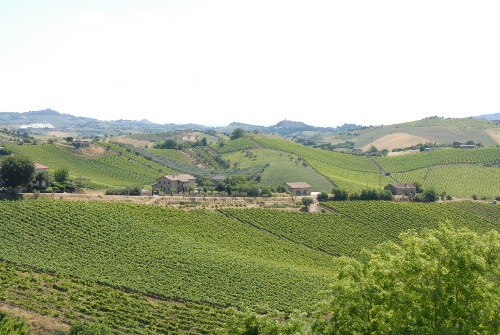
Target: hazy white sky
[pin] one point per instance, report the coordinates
(213, 62)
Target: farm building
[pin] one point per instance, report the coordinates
(175, 183)
(39, 168)
(299, 188)
(460, 145)
(81, 144)
(401, 188)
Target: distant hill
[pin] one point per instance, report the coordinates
(495, 117)
(432, 130)
(86, 126)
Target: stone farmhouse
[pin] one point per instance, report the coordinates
(175, 182)
(299, 188)
(401, 188)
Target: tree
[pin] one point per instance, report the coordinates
(69, 139)
(443, 281)
(17, 171)
(61, 175)
(323, 196)
(237, 133)
(340, 195)
(42, 179)
(306, 201)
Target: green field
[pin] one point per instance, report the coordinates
(176, 155)
(283, 167)
(148, 269)
(234, 145)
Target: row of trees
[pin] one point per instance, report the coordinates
(442, 281)
(429, 195)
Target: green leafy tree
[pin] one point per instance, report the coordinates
(69, 139)
(340, 195)
(237, 133)
(442, 281)
(306, 201)
(61, 175)
(42, 178)
(17, 171)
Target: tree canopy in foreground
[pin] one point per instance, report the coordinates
(443, 281)
(17, 171)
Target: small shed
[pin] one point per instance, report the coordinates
(299, 188)
(401, 188)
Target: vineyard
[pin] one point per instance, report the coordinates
(117, 169)
(200, 256)
(349, 172)
(364, 224)
(283, 167)
(421, 160)
(148, 269)
(71, 300)
(460, 181)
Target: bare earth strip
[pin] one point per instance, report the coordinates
(494, 133)
(38, 323)
(397, 140)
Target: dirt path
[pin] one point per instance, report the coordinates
(38, 323)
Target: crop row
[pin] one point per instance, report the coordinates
(201, 256)
(108, 169)
(461, 181)
(72, 300)
(364, 224)
(439, 157)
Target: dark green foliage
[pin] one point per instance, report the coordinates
(237, 133)
(340, 195)
(429, 195)
(89, 329)
(61, 175)
(306, 201)
(17, 171)
(323, 196)
(130, 190)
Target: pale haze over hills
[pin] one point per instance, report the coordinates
(325, 63)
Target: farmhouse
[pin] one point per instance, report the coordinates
(299, 188)
(175, 183)
(401, 188)
(460, 145)
(39, 168)
(81, 143)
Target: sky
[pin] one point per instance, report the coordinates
(214, 62)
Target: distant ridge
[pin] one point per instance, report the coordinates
(491, 117)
